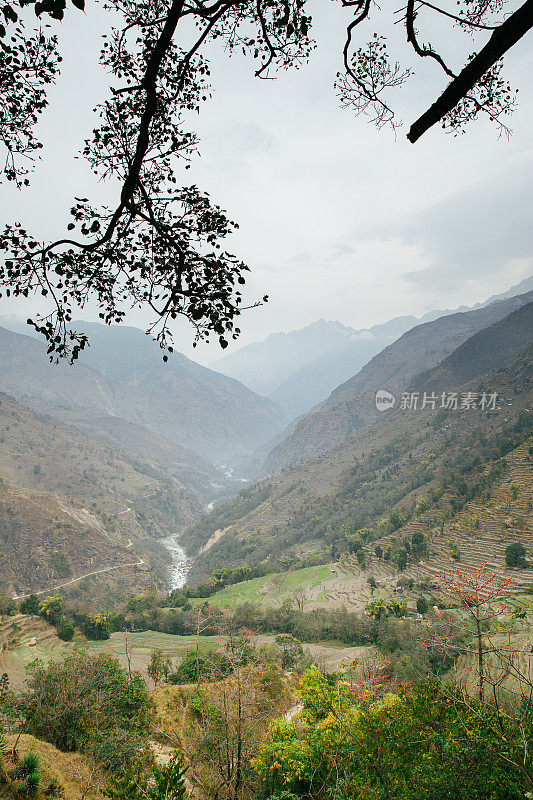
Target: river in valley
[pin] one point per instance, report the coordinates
(179, 566)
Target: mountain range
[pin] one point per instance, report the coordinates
(100, 460)
(122, 375)
(351, 406)
(386, 462)
(299, 369)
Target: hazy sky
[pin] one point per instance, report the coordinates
(337, 220)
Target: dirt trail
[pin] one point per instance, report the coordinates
(81, 577)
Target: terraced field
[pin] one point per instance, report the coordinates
(131, 649)
(334, 585)
(482, 531)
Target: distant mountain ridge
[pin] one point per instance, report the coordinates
(263, 366)
(298, 369)
(122, 375)
(351, 407)
(312, 384)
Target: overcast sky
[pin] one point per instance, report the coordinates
(337, 220)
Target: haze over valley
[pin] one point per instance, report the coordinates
(266, 400)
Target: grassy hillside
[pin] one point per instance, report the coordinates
(78, 775)
(476, 536)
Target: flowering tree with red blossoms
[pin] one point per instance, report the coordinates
(481, 597)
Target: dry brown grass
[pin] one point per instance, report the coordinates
(70, 770)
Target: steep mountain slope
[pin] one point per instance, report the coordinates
(48, 539)
(123, 375)
(41, 454)
(351, 407)
(491, 348)
(263, 366)
(301, 513)
(70, 507)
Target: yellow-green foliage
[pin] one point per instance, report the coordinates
(406, 744)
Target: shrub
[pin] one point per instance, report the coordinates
(88, 703)
(402, 559)
(66, 631)
(166, 782)
(30, 605)
(515, 555)
(422, 605)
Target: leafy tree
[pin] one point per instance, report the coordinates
(418, 541)
(159, 666)
(66, 630)
(96, 627)
(379, 608)
(455, 551)
(191, 667)
(88, 703)
(422, 506)
(515, 555)
(402, 559)
(481, 596)
(354, 543)
(379, 552)
(8, 606)
(30, 605)
(160, 246)
(477, 89)
(417, 742)
(372, 583)
(142, 601)
(52, 609)
(422, 605)
(514, 491)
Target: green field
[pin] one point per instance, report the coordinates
(140, 645)
(273, 590)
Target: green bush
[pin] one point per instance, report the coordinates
(88, 703)
(402, 559)
(515, 555)
(66, 631)
(30, 605)
(422, 605)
